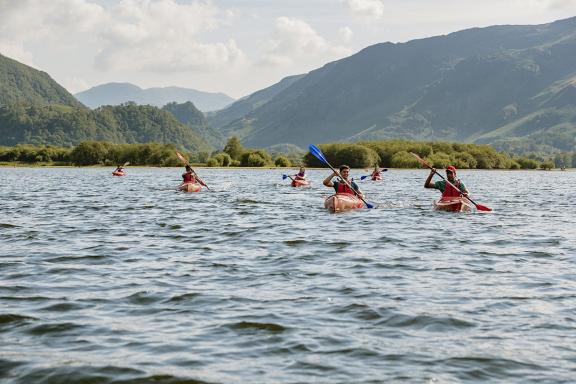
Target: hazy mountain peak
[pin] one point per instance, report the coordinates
(118, 93)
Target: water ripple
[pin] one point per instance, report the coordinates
(130, 281)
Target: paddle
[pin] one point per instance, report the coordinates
(320, 156)
(193, 171)
(284, 177)
(363, 177)
(121, 167)
(424, 163)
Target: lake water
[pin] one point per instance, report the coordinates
(125, 280)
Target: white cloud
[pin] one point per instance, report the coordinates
(295, 41)
(23, 22)
(176, 56)
(131, 35)
(366, 9)
(547, 4)
(163, 35)
(563, 4)
(345, 34)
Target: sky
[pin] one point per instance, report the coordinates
(232, 46)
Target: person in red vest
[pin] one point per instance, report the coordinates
(301, 175)
(376, 174)
(190, 176)
(446, 189)
(340, 186)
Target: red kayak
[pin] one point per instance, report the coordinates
(190, 187)
(116, 173)
(343, 202)
(300, 183)
(453, 204)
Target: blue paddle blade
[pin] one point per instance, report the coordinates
(284, 177)
(318, 153)
(363, 177)
(368, 205)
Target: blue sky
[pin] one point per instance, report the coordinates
(231, 46)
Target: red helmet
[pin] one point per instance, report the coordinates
(451, 168)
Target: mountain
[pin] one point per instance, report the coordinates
(67, 126)
(35, 109)
(118, 93)
(506, 85)
(189, 115)
(242, 107)
(20, 83)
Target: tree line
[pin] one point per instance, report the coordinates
(94, 152)
(389, 154)
(396, 154)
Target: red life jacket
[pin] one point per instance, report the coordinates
(343, 188)
(450, 191)
(188, 177)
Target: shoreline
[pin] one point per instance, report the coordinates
(27, 165)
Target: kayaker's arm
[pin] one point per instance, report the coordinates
(328, 181)
(428, 183)
(464, 190)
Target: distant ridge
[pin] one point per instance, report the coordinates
(34, 109)
(510, 86)
(118, 93)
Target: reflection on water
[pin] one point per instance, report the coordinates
(125, 279)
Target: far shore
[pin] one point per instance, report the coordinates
(112, 167)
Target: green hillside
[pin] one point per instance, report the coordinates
(34, 109)
(20, 83)
(67, 126)
(189, 115)
(244, 106)
(501, 84)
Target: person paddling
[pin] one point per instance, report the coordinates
(447, 190)
(376, 174)
(119, 168)
(341, 186)
(190, 177)
(301, 175)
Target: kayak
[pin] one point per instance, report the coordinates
(116, 173)
(342, 202)
(300, 183)
(453, 204)
(190, 187)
